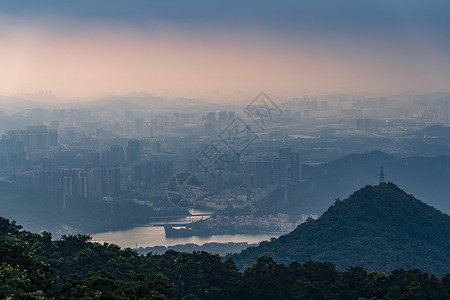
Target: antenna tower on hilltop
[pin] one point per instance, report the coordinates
(382, 175)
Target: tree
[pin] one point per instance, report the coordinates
(267, 280)
(22, 277)
(313, 280)
(103, 285)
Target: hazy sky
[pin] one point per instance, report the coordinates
(197, 48)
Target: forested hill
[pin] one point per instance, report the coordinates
(33, 266)
(378, 227)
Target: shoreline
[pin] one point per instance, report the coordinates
(171, 232)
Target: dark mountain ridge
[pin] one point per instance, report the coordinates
(425, 177)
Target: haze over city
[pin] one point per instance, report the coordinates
(221, 51)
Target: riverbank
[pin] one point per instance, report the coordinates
(217, 248)
(193, 229)
(150, 236)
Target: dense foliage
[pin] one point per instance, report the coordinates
(33, 266)
(378, 227)
(198, 275)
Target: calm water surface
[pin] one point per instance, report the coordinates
(148, 236)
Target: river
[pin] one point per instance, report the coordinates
(153, 235)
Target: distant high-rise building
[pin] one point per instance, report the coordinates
(143, 171)
(138, 125)
(108, 186)
(156, 147)
(117, 155)
(157, 171)
(115, 174)
(236, 162)
(54, 125)
(63, 115)
(285, 153)
(70, 133)
(219, 182)
(55, 114)
(46, 165)
(211, 116)
(83, 184)
(306, 113)
(367, 125)
(92, 158)
(223, 115)
(52, 138)
(166, 170)
(177, 118)
(231, 115)
(106, 158)
(136, 172)
(34, 137)
(146, 172)
(209, 128)
(133, 151)
(68, 186)
(295, 168)
(279, 171)
(187, 118)
(128, 115)
(95, 183)
(263, 172)
(163, 170)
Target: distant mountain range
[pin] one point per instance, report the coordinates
(143, 101)
(119, 103)
(426, 177)
(378, 227)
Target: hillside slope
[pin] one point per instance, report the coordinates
(378, 227)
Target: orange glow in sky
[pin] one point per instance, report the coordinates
(94, 60)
